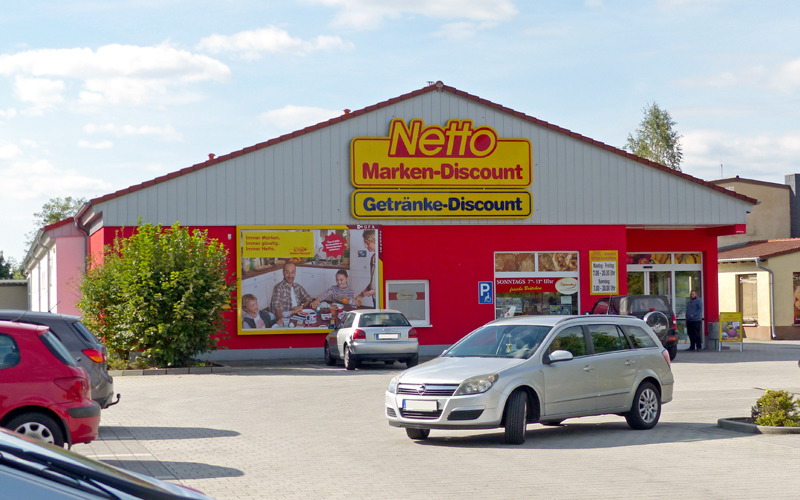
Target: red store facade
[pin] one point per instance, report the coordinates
(453, 209)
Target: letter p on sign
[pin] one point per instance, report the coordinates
(485, 295)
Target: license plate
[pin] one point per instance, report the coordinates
(388, 336)
(419, 405)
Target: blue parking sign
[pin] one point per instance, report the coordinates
(485, 294)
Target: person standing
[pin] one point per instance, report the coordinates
(694, 321)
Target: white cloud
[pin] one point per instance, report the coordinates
(8, 113)
(290, 118)
(787, 78)
(784, 77)
(9, 151)
(167, 133)
(458, 31)
(369, 14)
(95, 145)
(113, 73)
(27, 180)
(42, 93)
(255, 44)
(766, 157)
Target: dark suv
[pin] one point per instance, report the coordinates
(89, 352)
(654, 309)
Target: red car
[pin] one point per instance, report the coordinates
(45, 394)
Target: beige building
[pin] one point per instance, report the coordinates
(770, 219)
(759, 271)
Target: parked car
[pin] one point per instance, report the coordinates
(655, 310)
(89, 352)
(372, 335)
(45, 394)
(517, 371)
(32, 470)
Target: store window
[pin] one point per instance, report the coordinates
(411, 298)
(748, 299)
(796, 297)
(536, 283)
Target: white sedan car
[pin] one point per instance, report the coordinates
(372, 335)
(517, 371)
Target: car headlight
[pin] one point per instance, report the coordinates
(392, 385)
(476, 385)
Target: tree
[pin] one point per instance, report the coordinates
(8, 268)
(159, 293)
(656, 139)
(54, 210)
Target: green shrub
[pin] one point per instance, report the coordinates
(160, 294)
(776, 409)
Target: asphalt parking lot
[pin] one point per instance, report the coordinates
(304, 430)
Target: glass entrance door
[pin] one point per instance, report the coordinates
(685, 282)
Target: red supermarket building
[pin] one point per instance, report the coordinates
(474, 211)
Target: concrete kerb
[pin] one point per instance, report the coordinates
(744, 424)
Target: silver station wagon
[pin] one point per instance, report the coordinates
(517, 371)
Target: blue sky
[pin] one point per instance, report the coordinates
(96, 96)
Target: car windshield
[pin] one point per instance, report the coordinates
(500, 341)
(382, 319)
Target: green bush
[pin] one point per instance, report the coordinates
(776, 409)
(159, 294)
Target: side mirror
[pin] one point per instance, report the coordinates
(557, 356)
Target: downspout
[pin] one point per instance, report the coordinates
(757, 261)
(771, 296)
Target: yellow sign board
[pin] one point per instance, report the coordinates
(435, 204)
(458, 155)
(730, 327)
(268, 244)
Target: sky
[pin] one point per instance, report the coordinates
(96, 96)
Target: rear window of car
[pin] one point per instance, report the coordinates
(638, 337)
(9, 351)
(84, 332)
(642, 305)
(57, 348)
(382, 319)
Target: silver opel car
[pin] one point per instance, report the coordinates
(517, 371)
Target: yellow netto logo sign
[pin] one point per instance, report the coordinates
(457, 156)
(437, 204)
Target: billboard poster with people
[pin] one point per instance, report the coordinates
(303, 280)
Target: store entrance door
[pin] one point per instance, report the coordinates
(673, 275)
(650, 283)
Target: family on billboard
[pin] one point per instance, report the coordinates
(293, 279)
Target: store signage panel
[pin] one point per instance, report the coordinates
(277, 244)
(434, 204)
(605, 275)
(528, 285)
(458, 155)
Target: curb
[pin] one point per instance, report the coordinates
(743, 424)
(173, 371)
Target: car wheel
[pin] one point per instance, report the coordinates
(38, 426)
(418, 434)
(516, 417)
(329, 360)
(414, 361)
(673, 351)
(349, 362)
(646, 408)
